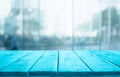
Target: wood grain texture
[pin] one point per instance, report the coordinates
(60, 63)
(46, 65)
(22, 65)
(70, 64)
(95, 63)
(111, 57)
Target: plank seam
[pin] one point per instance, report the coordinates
(82, 61)
(114, 53)
(15, 61)
(114, 63)
(58, 64)
(35, 63)
(108, 60)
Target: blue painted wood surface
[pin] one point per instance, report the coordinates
(110, 56)
(59, 63)
(23, 64)
(47, 64)
(96, 63)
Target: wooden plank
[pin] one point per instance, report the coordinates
(22, 66)
(115, 52)
(113, 58)
(11, 57)
(47, 64)
(5, 53)
(70, 64)
(97, 64)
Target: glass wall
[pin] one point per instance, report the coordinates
(86, 24)
(110, 24)
(60, 24)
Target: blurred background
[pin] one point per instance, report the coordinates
(59, 24)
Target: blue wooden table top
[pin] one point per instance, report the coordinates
(59, 63)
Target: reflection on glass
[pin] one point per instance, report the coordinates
(87, 23)
(59, 24)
